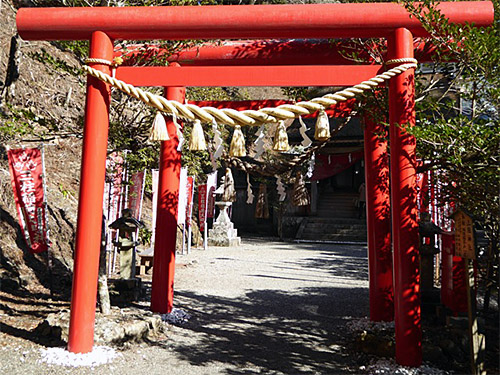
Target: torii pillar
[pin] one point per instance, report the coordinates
(404, 205)
(378, 221)
(162, 289)
(88, 233)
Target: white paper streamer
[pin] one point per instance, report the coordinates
(259, 142)
(217, 141)
(281, 189)
(179, 134)
(249, 191)
(212, 159)
(303, 129)
(310, 168)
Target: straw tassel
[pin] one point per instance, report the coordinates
(322, 131)
(300, 195)
(159, 130)
(197, 142)
(281, 138)
(237, 148)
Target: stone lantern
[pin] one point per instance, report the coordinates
(127, 228)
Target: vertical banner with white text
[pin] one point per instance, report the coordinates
(26, 173)
(189, 206)
(202, 206)
(211, 187)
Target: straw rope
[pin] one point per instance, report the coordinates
(233, 117)
(283, 163)
(401, 61)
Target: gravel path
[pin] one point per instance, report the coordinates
(264, 307)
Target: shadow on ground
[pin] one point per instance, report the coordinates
(273, 330)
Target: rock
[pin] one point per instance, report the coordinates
(434, 354)
(447, 345)
(378, 345)
(120, 327)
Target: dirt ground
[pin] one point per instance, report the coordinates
(266, 307)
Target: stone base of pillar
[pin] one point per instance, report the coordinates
(223, 232)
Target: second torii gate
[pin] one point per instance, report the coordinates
(103, 25)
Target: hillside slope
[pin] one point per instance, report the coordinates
(44, 104)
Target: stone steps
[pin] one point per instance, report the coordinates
(335, 221)
(337, 204)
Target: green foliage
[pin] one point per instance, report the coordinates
(21, 122)
(44, 57)
(66, 193)
(79, 47)
(145, 236)
(458, 114)
(11, 129)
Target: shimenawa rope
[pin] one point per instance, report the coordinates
(233, 117)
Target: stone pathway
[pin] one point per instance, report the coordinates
(270, 307)
(265, 307)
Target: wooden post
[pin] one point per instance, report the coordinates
(477, 341)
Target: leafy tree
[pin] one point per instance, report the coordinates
(458, 118)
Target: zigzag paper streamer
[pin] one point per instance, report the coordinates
(179, 134)
(217, 141)
(212, 159)
(310, 168)
(249, 191)
(259, 142)
(281, 189)
(306, 142)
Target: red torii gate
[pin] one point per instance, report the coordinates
(103, 25)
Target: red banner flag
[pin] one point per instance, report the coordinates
(202, 206)
(26, 172)
(211, 187)
(135, 194)
(113, 189)
(189, 206)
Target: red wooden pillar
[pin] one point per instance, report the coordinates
(404, 206)
(378, 223)
(88, 233)
(459, 299)
(162, 292)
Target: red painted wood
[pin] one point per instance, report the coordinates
(341, 109)
(162, 290)
(215, 76)
(447, 251)
(404, 210)
(268, 52)
(88, 232)
(378, 220)
(237, 22)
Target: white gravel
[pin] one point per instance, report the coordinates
(390, 367)
(62, 357)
